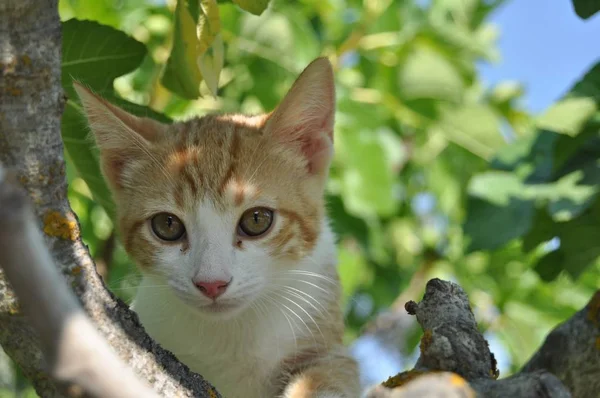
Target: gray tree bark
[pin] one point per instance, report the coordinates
(567, 364)
(31, 105)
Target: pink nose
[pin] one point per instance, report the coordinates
(212, 289)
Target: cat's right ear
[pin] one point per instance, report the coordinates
(120, 136)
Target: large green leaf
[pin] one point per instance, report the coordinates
(210, 44)
(586, 8)
(491, 226)
(112, 54)
(95, 54)
(428, 74)
(475, 127)
(589, 84)
(566, 196)
(368, 181)
(578, 246)
(83, 154)
(568, 116)
(182, 75)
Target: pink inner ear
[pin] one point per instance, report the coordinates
(113, 168)
(315, 140)
(305, 116)
(318, 151)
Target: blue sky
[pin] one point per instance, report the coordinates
(544, 45)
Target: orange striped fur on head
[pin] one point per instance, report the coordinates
(226, 164)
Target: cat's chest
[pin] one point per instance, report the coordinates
(247, 377)
(239, 359)
(238, 366)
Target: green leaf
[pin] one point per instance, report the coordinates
(506, 91)
(578, 242)
(462, 38)
(368, 179)
(490, 226)
(197, 52)
(542, 230)
(95, 54)
(586, 8)
(475, 127)
(113, 54)
(497, 187)
(345, 225)
(255, 7)
(96, 66)
(566, 197)
(182, 75)
(550, 266)
(589, 84)
(572, 152)
(81, 150)
(428, 74)
(353, 271)
(568, 116)
(210, 63)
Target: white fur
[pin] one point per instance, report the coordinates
(237, 351)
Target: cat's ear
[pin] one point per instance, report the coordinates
(305, 117)
(120, 136)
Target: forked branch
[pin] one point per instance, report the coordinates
(568, 364)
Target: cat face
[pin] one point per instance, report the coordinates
(217, 207)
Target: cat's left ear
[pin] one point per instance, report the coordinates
(121, 137)
(305, 117)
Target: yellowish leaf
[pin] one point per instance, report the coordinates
(211, 64)
(182, 75)
(210, 44)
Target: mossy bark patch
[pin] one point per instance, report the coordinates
(56, 224)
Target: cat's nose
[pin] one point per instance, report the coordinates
(212, 289)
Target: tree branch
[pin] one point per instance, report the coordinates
(572, 351)
(77, 355)
(31, 105)
(452, 343)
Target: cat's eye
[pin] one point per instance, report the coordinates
(167, 227)
(255, 222)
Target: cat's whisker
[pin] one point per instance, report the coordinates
(303, 281)
(298, 316)
(132, 279)
(319, 311)
(314, 274)
(141, 287)
(276, 304)
(309, 316)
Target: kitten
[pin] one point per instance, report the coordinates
(225, 216)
